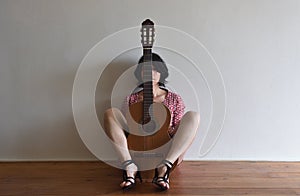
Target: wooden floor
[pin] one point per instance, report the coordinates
(190, 178)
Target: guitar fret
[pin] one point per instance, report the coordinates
(147, 78)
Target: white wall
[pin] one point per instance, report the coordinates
(255, 44)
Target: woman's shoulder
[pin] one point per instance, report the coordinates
(173, 95)
(174, 101)
(134, 97)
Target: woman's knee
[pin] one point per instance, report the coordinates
(114, 117)
(192, 117)
(111, 113)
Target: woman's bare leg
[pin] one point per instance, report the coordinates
(114, 123)
(183, 138)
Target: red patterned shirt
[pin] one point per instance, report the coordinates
(172, 101)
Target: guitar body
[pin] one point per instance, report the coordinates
(140, 140)
(148, 149)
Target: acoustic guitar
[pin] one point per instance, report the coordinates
(148, 121)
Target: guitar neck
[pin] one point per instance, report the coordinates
(147, 75)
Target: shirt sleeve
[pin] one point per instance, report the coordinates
(125, 105)
(177, 114)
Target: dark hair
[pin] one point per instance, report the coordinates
(158, 64)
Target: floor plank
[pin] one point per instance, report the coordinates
(190, 178)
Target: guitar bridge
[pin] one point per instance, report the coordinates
(148, 155)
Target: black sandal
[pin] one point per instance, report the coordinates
(129, 179)
(156, 180)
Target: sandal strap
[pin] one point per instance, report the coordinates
(157, 181)
(131, 182)
(126, 163)
(129, 179)
(168, 164)
(164, 178)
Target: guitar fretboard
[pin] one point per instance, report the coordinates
(147, 78)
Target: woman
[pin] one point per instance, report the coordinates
(183, 126)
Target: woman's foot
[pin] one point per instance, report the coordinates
(130, 172)
(162, 172)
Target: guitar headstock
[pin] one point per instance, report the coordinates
(147, 32)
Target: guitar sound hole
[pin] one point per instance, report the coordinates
(149, 127)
